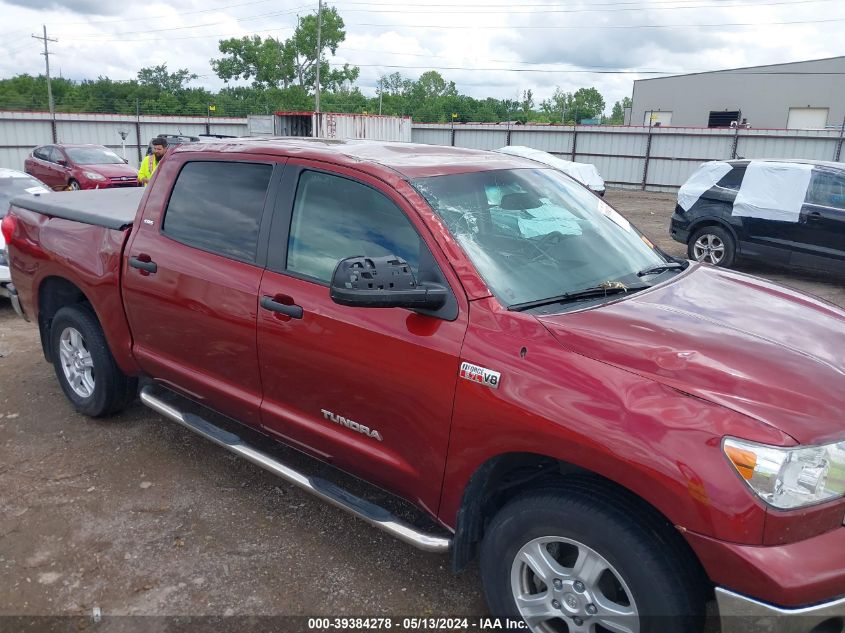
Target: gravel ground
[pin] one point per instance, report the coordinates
(136, 516)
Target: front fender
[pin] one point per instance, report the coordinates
(660, 444)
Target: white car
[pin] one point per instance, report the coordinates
(584, 173)
(13, 183)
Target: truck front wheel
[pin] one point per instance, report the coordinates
(85, 366)
(571, 561)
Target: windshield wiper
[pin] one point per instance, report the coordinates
(661, 268)
(586, 293)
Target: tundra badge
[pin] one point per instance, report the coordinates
(351, 424)
(482, 375)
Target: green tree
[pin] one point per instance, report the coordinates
(617, 116)
(394, 85)
(302, 46)
(274, 64)
(559, 108)
(527, 104)
(587, 104)
(267, 62)
(431, 85)
(158, 77)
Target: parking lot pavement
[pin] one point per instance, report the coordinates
(135, 515)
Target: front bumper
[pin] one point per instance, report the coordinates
(679, 228)
(740, 614)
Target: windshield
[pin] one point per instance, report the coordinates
(534, 233)
(93, 156)
(15, 186)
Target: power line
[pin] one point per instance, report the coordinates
(646, 5)
(506, 11)
(172, 15)
(464, 27)
(600, 26)
(597, 71)
(193, 26)
(184, 37)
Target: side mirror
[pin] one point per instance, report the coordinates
(62, 162)
(126, 160)
(383, 282)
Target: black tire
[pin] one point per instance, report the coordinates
(646, 566)
(718, 238)
(112, 389)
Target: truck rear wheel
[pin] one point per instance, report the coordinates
(85, 366)
(572, 561)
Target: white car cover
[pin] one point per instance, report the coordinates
(770, 190)
(701, 180)
(773, 191)
(584, 173)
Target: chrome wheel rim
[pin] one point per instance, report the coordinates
(560, 585)
(709, 248)
(77, 364)
(74, 186)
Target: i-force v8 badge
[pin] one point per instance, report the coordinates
(481, 375)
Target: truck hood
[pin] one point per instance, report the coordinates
(761, 349)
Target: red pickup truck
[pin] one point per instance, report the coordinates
(617, 435)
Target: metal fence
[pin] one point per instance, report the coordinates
(20, 132)
(648, 158)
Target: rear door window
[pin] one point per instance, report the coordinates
(42, 153)
(217, 207)
(733, 179)
(826, 189)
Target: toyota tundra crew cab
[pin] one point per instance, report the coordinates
(618, 436)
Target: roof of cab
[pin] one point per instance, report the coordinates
(411, 160)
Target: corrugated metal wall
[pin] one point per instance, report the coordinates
(20, 132)
(365, 126)
(661, 157)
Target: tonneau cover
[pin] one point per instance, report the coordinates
(111, 208)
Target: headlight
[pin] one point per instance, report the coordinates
(789, 477)
(90, 175)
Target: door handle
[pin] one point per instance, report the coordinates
(293, 311)
(148, 266)
(814, 215)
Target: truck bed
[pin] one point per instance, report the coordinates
(111, 208)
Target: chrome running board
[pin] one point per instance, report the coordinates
(325, 490)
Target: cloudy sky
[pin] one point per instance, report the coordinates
(487, 47)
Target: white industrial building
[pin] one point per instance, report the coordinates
(798, 95)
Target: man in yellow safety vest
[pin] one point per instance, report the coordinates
(150, 162)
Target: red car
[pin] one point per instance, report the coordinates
(80, 167)
(617, 436)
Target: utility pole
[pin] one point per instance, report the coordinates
(46, 54)
(138, 128)
(838, 152)
(319, 51)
